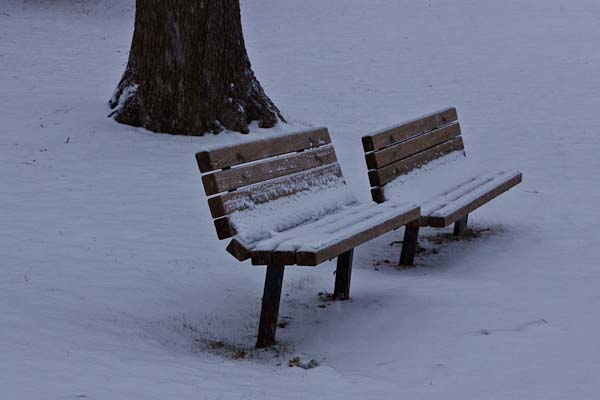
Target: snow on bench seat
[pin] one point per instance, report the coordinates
(314, 242)
(449, 188)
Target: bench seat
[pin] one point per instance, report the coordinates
(458, 201)
(449, 188)
(312, 243)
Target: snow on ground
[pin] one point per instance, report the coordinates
(114, 285)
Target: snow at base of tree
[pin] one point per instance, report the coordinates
(113, 283)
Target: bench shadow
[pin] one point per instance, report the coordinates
(438, 249)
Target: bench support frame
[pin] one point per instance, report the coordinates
(460, 226)
(343, 274)
(270, 306)
(409, 244)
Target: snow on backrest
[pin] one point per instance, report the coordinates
(396, 151)
(269, 186)
(312, 200)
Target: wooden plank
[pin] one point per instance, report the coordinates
(311, 258)
(238, 250)
(455, 192)
(273, 189)
(384, 175)
(284, 257)
(292, 239)
(224, 228)
(281, 247)
(377, 193)
(443, 220)
(277, 248)
(399, 151)
(262, 257)
(234, 178)
(389, 136)
(270, 306)
(229, 156)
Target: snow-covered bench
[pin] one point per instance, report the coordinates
(423, 161)
(284, 201)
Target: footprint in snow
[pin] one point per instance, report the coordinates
(517, 328)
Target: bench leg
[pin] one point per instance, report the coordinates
(343, 274)
(409, 244)
(270, 306)
(460, 226)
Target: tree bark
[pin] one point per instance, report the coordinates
(188, 71)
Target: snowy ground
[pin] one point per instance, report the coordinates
(113, 283)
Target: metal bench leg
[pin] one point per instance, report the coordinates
(460, 226)
(409, 244)
(343, 274)
(270, 306)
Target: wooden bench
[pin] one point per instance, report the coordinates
(284, 201)
(423, 160)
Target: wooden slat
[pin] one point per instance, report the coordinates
(399, 151)
(273, 257)
(298, 236)
(264, 257)
(447, 219)
(310, 258)
(276, 188)
(377, 193)
(224, 228)
(332, 228)
(452, 194)
(267, 253)
(234, 155)
(389, 136)
(238, 250)
(384, 175)
(225, 180)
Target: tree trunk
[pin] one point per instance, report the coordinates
(188, 71)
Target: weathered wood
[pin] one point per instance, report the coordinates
(389, 136)
(453, 194)
(460, 226)
(409, 244)
(224, 228)
(238, 250)
(399, 151)
(274, 189)
(449, 214)
(281, 248)
(263, 257)
(380, 177)
(291, 246)
(234, 178)
(377, 193)
(257, 150)
(270, 306)
(343, 274)
(312, 258)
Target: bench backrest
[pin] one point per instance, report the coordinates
(240, 177)
(396, 151)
